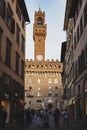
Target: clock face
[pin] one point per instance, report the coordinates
(39, 57)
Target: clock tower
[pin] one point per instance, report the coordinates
(39, 35)
(43, 79)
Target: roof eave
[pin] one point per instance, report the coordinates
(24, 10)
(67, 12)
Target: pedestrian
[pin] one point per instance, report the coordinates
(56, 117)
(66, 117)
(1, 116)
(37, 119)
(4, 117)
(28, 117)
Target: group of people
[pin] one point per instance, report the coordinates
(41, 118)
(38, 118)
(35, 116)
(65, 115)
(28, 116)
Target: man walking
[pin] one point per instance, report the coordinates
(66, 117)
(56, 117)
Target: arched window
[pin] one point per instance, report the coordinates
(39, 21)
(56, 81)
(49, 81)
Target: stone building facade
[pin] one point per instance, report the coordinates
(75, 82)
(13, 16)
(43, 80)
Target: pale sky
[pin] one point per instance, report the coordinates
(54, 18)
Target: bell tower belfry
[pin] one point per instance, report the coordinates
(39, 35)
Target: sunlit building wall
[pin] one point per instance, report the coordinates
(13, 17)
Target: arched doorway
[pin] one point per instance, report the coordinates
(50, 106)
(50, 103)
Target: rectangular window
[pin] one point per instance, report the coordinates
(18, 12)
(2, 8)
(81, 62)
(22, 69)
(17, 34)
(78, 90)
(75, 41)
(77, 34)
(0, 44)
(1, 31)
(9, 19)
(85, 15)
(8, 52)
(22, 44)
(86, 55)
(17, 63)
(81, 26)
(13, 26)
(6, 79)
(76, 69)
(75, 17)
(23, 23)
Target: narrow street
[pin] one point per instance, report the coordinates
(43, 64)
(73, 124)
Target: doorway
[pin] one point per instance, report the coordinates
(49, 105)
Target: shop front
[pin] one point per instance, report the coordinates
(72, 107)
(11, 96)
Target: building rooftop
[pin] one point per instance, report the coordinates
(24, 10)
(69, 11)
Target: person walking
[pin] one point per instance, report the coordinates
(37, 119)
(66, 117)
(1, 116)
(56, 117)
(4, 117)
